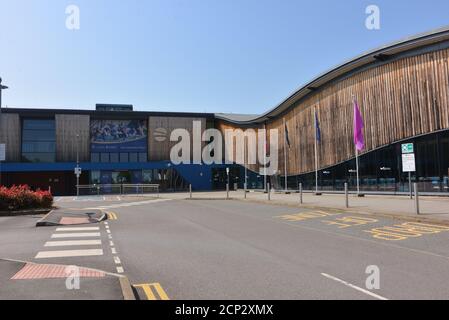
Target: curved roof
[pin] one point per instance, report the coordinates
(373, 56)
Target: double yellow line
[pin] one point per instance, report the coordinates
(112, 216)
(152, 290)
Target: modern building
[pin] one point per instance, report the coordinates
(402, 90)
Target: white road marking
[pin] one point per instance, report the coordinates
(113, 251)
(107, 227)
(72, 243)
(79, 229)
(117, 260)
(354, 287)
(120, 270)
(130, 204)
(108, 231)
(111, 243)
(75, 235)
(110, 236)
(69, 253)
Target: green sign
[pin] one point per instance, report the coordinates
(407, 148)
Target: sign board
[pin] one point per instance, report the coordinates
(2, 152)
(407, 148)
(408, 162)
(78, 171)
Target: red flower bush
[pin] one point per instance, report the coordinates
(22, 197)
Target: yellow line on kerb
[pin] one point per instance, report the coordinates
(148, 289)
(112, 216)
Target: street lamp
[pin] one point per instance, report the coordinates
(2, 87)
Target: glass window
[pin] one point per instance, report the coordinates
(123, 157)
(38, 140)
(143, 157)
(95, 176)
(95, 157)
(114, 157)
(104, 157)
(133, 157)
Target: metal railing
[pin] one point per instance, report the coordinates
(121, 189)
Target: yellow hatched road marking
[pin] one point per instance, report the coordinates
(148, 289)
(112, 216)
(347, 222)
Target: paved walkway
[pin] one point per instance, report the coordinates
(431, 208)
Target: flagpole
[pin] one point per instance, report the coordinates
(285, 153)
(265, 158)
(316, 153)
(357, 169)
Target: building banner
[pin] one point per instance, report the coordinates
(118, 136)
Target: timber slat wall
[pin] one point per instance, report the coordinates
(67, 127)
(160, 150)
(10, 135)
(398, 100)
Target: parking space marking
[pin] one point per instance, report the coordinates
(152, 290)
(354, 287)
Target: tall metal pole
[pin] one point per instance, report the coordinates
(316, 153)
(2, 87)
(265, 159)
(285, 154)
(357, 169)
(246, 163)
(77, 166)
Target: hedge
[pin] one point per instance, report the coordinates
(23, 198)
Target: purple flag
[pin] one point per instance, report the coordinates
(359, 140)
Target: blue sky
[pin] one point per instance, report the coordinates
(240, 56)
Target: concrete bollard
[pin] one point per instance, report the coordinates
(346, 195)
(190, 191)
(415, 187)
(301, 200)
(245, 190)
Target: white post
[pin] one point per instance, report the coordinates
(416, 198)
(346, 195)
(269, 191)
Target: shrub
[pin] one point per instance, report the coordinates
(22, 197)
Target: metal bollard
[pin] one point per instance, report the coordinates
(245, 190)
(346, 195)
(300, 194)
(269, 192)
(415, 187)
(190, 191)
(227, 191)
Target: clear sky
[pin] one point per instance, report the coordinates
(240, 56)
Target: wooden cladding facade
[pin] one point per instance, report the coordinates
(159, 130)
(10, 134)
(398, 100)
(67, 128)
